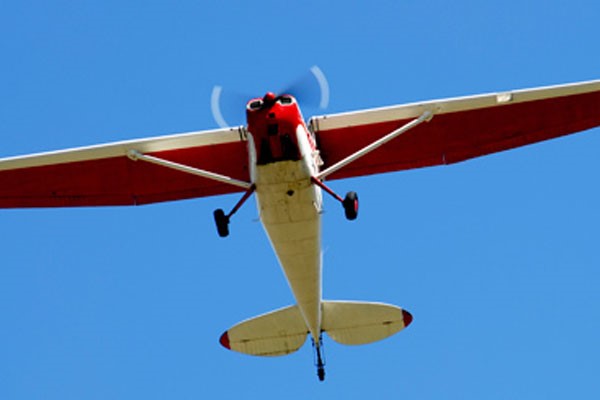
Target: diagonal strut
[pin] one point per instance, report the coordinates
(426, 116)
(136, 155)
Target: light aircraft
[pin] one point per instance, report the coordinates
(285, 161)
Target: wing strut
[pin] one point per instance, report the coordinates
(136, 155)
(426, 116)
(221, 219)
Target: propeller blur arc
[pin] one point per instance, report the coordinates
(315, 71)
(215, 101)
(323, 85)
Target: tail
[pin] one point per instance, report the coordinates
(284, 331)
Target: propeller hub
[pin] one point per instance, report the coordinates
(269, 98)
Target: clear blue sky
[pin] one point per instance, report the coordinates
(497, 258)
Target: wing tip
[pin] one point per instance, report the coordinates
(224, 340)
(407, 318)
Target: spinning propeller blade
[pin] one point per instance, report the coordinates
(323, 84)
(215, 100)
(307, 93)
(228, 106)
(304, 90)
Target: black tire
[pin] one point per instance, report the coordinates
(321, 373)
(222, 222)
(351, 206)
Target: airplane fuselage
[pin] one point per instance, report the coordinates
(289, 206)
(283, 158)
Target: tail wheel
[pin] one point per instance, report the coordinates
(222, 222)
(350, 204)
(321, 373)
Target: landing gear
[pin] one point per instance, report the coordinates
(350, 202)
(222, 222)
(321, 372)
(222, 219)
(319, 358)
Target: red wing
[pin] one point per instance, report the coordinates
(104, 175)
(461, 128)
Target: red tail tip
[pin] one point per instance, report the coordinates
(406, 318)
(224, 340)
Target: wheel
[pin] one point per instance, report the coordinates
(321, 373)
(222, 222)
(351, 205)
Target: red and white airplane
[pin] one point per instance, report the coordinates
(285, 161)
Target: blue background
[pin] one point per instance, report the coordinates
(497, 258)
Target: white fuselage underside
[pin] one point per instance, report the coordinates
(289, 206)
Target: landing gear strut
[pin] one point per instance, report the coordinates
(320, 366)
(222, 219)
(350, 202)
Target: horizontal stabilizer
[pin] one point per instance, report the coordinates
(351, 322)
(276, 333)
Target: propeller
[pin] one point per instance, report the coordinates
(305, 91)
(311, 90)
(232, 104)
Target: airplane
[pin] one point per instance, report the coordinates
(286, 162)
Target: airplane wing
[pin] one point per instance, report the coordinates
(106, 175)
(459, 129)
